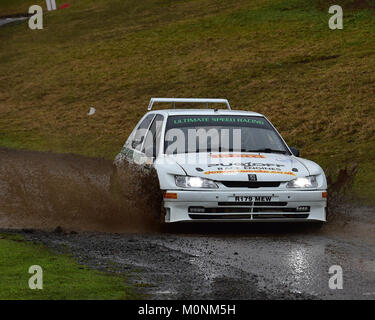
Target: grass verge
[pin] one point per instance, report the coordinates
(63, 277)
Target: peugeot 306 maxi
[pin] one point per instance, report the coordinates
(225, 165)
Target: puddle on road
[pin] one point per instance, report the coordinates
(45, 190)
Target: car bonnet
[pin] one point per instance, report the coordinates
(241, 166)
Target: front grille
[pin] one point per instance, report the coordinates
(246, 216)
(278, 216)
(241, 210)
(220, 216)
(251, 184)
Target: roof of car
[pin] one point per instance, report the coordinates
(173, 112)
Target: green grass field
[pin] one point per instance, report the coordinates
(63, 278)
(277, 57)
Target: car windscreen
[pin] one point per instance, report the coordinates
(210, 133)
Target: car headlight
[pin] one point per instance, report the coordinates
(306, 182)
(194, 182)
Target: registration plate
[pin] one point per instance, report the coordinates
(255, 198)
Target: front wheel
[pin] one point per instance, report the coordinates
(137, 191)
(317, 225)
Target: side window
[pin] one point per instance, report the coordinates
(159, 125)
(141, 132)
(152, 141)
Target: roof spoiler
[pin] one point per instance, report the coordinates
(187, 100)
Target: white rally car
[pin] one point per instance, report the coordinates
(225, 165)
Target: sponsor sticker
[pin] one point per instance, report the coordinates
(237, 155)
(249, 171)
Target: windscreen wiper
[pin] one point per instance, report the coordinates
(268, 150)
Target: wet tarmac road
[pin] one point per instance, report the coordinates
(246, 262)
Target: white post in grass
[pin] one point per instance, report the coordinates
(51, 5)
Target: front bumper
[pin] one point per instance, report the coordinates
(220, 206)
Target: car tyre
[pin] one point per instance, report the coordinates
(317, 225)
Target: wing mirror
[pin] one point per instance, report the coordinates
(295, 151)
(136, 143)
